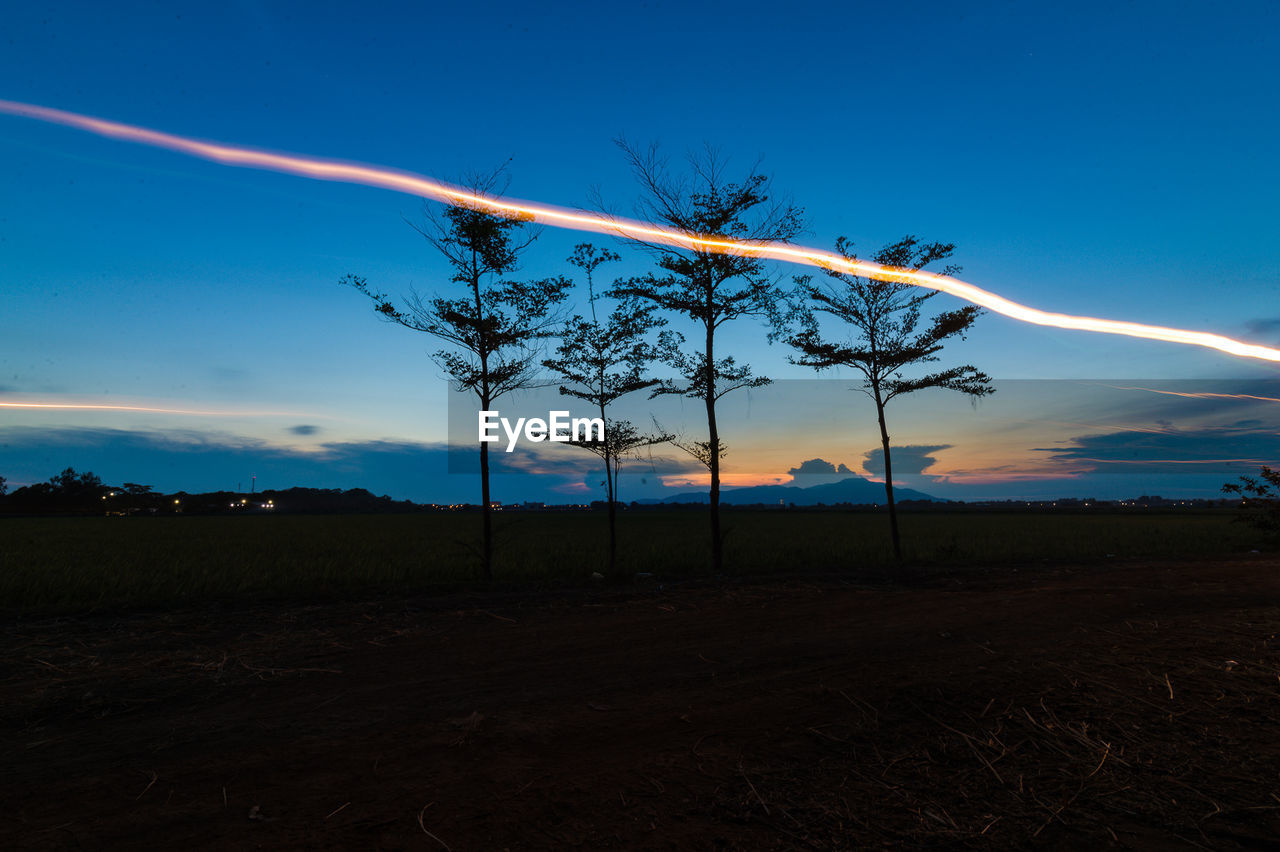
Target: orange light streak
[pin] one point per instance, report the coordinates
(71, 406)
(1202, 395)
(412, 184)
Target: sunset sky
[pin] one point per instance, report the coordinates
(1112, 160)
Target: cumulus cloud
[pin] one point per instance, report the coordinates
(820, 467)
(908, 460)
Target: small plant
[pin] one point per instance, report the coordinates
(1259, 499)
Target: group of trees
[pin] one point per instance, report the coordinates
(66, 491)
(493, 327)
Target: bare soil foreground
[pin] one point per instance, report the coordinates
(1125, 705)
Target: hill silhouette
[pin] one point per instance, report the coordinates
(853, 489)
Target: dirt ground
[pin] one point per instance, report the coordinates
(1117, 706)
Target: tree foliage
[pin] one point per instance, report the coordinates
(603, 360)
(494, 329)
(709, 288)
(884, 318)
(1259, 499)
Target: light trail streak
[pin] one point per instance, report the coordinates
(997, 476)
(418, 185)
(72, 406)
(1201, 395)
(1114, 427)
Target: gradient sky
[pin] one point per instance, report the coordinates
(1111, 159)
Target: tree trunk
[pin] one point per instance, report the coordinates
(888, 481)
(613, 538)
(713, 463)
(611, 485)
(486, 513)
(717, 541)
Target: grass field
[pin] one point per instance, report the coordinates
(50, 565)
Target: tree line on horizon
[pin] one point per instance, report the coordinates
(85, 492)
(492, 328)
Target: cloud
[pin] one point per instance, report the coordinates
(229, 374)
(908, 460)
(195, 461)
(304, 429)
(1264, 327)
(209, 461)
(816, 467)
(1210, 450)
(206, 461)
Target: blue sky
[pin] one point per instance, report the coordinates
(1112, 159)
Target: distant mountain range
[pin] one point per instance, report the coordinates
(851, 490)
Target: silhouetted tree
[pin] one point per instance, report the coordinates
(492, 330)
(72, 485)
(603, 361)
(1259, 498)
(883, 317)
(709, 288)
(4, 485)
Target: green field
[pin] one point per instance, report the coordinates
(51, 565)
